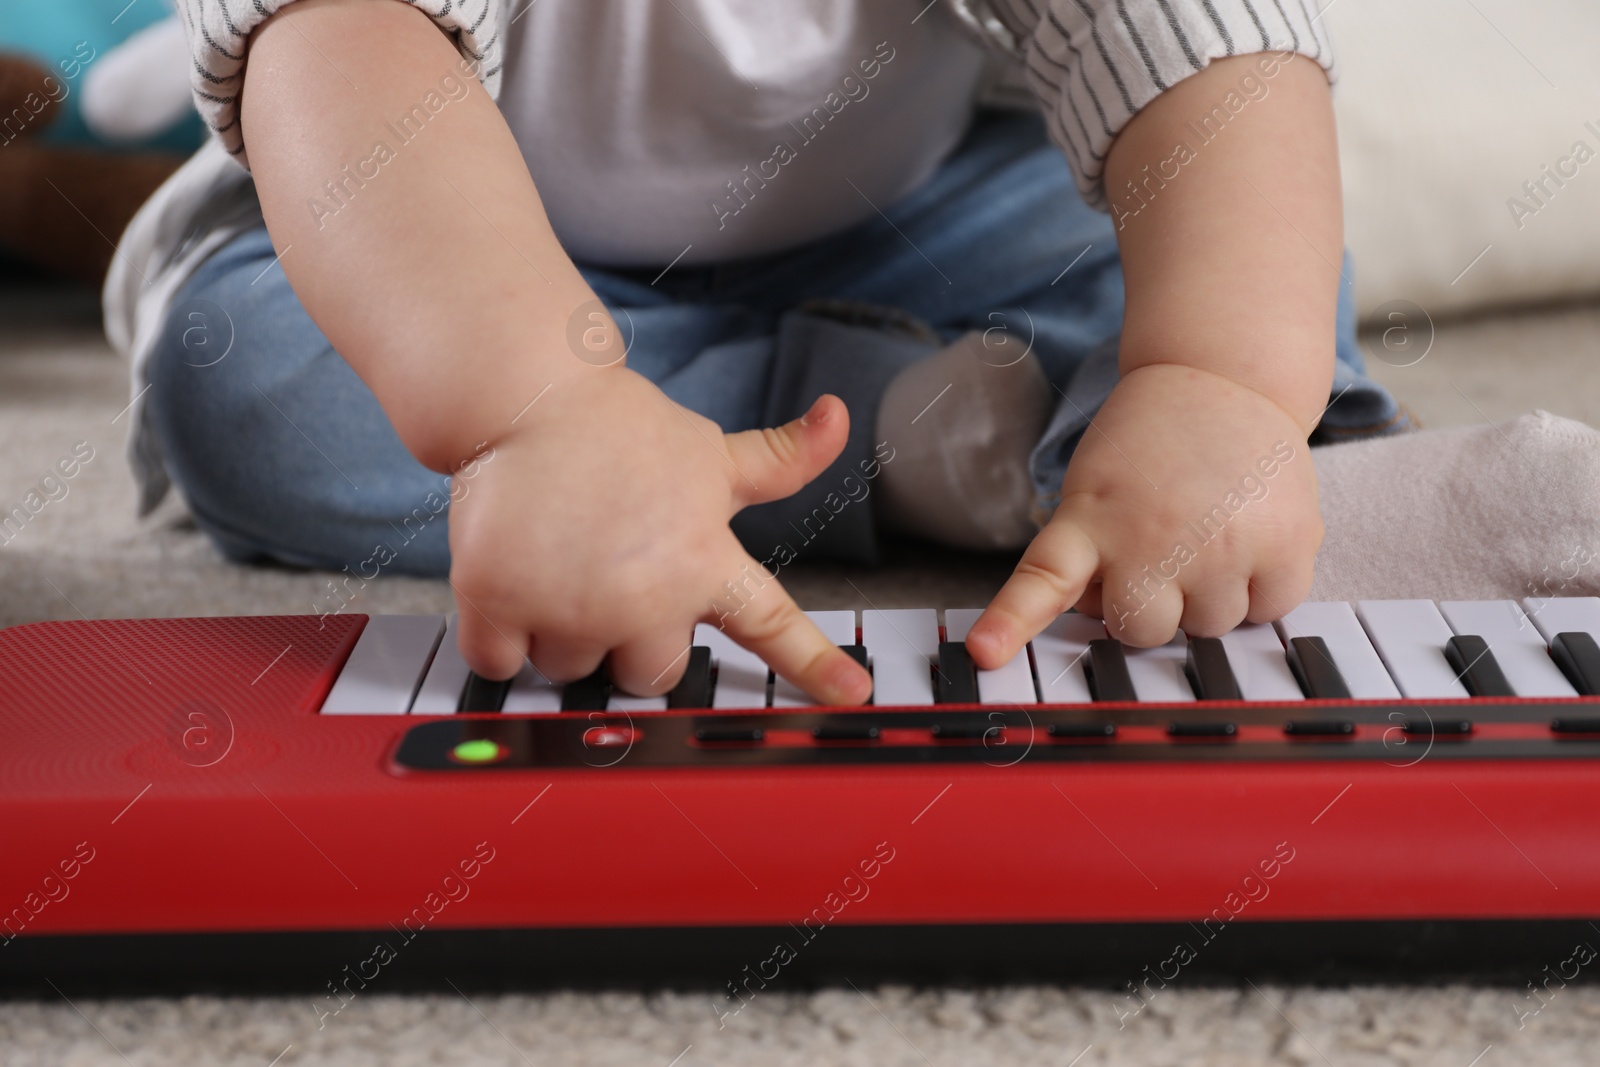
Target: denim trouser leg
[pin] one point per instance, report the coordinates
(283, 453)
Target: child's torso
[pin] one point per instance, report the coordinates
(728, 127)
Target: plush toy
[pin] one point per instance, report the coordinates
(94, 115)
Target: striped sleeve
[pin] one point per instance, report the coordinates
(1093, 64)
(219, 38)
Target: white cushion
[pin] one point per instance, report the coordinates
(1441, 121)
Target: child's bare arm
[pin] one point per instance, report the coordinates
(1232, 269)
(601, 526)
(440, 281)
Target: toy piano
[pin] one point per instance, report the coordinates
(298, 801)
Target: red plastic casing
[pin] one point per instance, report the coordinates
(277, 818)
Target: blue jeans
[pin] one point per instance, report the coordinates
(284, 454)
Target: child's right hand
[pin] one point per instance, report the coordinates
(600, 529)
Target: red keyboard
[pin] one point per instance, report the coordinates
(215, 794)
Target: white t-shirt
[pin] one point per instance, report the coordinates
(718, 129)
(638, 117)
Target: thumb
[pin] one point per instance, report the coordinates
(778, 462)
(1050, 578)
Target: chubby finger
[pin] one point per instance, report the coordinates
(1089, 602)
(1276, 592)
(1216, 606)
(493, 649)
(1141, 611)
(1051, 576)
(565, 661)
(772, 626)
(650, 666)
(778, 462)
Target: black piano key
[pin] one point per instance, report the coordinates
(587, 694)
(1320, 728)
(1475, 665)
(859, 654)
(1106, 670)
(957, 679)
(1314, 669)
(694, 688)
(482, 694)
(1578, 656)
(1209, 672)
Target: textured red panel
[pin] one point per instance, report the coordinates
(281, 663)
(83, 704)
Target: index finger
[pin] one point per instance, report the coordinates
(1050, 578)
(771, 625)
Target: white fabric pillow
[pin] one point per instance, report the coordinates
(1446, 108)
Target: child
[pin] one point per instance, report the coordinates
(614, 307)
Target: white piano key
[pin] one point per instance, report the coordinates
(1009, 684)
(1516, 645)
(531, 692)
(1410, 636)
(838, 627)
(386, 666)
(1335, 622)
(1561, 614)
(1259, 663)
(741, 674)
(1157, 673)
(902, 645)
(1058, 655)
(447, 676)
(619, 701)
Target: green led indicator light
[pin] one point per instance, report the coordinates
(479, 751)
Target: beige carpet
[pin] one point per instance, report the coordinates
(86, 555)
(892, 1027)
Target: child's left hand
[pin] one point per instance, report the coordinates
(1226, 356)
(1191, 502)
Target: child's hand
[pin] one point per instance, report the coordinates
(1226, 356)
(601, 524)
(601, 527)
(1191, 502)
